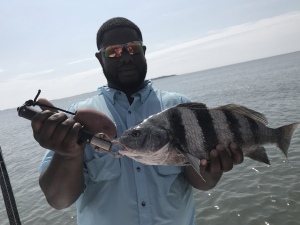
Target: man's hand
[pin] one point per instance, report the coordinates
(57, 132)
(62, 181)
(222, 160)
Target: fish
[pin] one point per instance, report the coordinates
(186, 133)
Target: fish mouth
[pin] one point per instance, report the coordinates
(128, 152)
(125, 150)
(118, 144)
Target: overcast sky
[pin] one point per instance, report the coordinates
(50, 45)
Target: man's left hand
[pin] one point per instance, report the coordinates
(222, 159)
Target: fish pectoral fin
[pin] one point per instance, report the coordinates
(259, 154)
(242, 110)
(193, 160)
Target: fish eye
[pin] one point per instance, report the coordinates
(157, 136)
(136, 133)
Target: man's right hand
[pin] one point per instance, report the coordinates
(62, 181)
(57, 132)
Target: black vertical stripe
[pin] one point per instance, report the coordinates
(205, 121)
(254, 129)
(176, 126)
(234, 126)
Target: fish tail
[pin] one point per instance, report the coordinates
(285, 135)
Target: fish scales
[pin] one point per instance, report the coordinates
(254, 128)
(253, 131)
(176, 126)
(247, 134)
(205, 121)
(188, 132)
(245, 129)
(192, 132)
(221, 126)
(234, 126)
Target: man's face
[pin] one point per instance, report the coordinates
(126, 72)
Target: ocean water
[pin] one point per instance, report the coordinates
(251, 194)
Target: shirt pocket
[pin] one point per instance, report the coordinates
(103, 167)
(169, 170)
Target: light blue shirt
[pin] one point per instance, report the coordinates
(121, 191)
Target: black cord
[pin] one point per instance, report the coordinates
(34, 103)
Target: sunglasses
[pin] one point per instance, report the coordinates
(115, 51)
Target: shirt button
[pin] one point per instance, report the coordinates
(129, 112)
(138, 169)
(143, 203)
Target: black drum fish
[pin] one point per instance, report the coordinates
(186, 133)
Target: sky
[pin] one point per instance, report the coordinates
(51, 45)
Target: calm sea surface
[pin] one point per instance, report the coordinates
(250, 194)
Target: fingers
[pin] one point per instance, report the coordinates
(71, 138)
(46, 102)
(222, 160)
(225, 158)
(96, 122)
(38, 120)
(237, 154)
(211, 171)
(215, 163)
(62, 132)
(45, 122)
(55, 122)
(213, 168)
(57, 132)
(44, 125)
(66, 143)
(203, 165)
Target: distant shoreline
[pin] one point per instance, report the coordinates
(161, 77)
(187, 73)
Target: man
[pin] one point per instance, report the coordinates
(113, 191)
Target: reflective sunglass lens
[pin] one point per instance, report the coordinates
(115, 51)
(134, 48)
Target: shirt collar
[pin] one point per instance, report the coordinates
(111, 93)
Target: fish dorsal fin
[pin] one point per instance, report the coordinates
(192, 105)
(242, 110)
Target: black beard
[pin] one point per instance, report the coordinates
(116, 83)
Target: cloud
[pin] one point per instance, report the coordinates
(176, 13)
(15, 92)
(259, 39)
(219, 35)
(30, 75)
(80, 61)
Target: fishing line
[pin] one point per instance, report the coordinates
(34, 103)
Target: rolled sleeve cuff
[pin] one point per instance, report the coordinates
(46, 160)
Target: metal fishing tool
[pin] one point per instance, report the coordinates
(8, 195)
(28, 112)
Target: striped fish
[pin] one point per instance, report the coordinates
(186, 133)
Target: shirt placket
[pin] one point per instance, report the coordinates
(140, 179)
